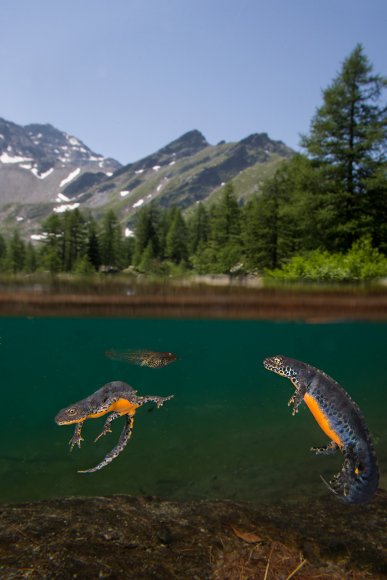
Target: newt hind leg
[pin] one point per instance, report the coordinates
(329, 449)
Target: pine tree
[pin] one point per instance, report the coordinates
(276, 224)
(3, 252)
(16, 254)
(93, 249)
(74, 238)
(50, 259)
(148, 220)
(225, 224)
(53, 244)
(224, 242)
(198, 228)
(348, 140)
(147, 257)
(176, 246)
(111, 242)
(31, 262)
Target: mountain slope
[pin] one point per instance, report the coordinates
(185, 171)
(38, 161)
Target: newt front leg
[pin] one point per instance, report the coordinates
(298, 396)
(76, 438)
(106, 428)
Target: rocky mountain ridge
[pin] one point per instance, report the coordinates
(186, 171)
(43, 170)
(38, 161)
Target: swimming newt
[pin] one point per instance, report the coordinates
(341, 420)
(144, 358)
(116, 398)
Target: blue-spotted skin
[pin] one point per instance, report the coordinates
(359, 477)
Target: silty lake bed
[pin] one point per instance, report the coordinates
(227, 434)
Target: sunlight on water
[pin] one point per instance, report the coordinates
(228, 433)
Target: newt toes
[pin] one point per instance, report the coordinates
(116, 398)
(341, 420)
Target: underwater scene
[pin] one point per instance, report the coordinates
(226, 434)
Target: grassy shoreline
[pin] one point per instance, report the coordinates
(207, 297)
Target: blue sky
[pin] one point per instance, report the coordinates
(128, 76)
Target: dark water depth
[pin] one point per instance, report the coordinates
(228, 433)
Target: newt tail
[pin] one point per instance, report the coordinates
(341, 420)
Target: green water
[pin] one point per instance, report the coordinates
(228, 433)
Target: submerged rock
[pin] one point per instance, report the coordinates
(147, 537)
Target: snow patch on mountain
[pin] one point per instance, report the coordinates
(62, 197)
(35, 171)
(5, 158)
(70, 177)
(67, 207)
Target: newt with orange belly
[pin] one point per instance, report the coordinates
(116, 398)
(341, 420)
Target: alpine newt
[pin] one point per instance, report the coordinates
(341, 420)
(144, 358)
(116, 398)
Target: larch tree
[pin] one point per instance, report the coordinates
(348, 139)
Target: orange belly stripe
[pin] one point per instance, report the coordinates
(322, 419)
(123, 407)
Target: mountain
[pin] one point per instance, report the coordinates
(38, 161)
(182, 173)
(185, 171)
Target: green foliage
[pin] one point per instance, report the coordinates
(93, 245)
(347, 142)
(15, 255)
(320, 216)
(111, 243)
(361, 263)
(71, 242)
(146, 232)
(31, 259)
(83, 266)
(198, 228)
(147, 258)
(217, 236)
(176, 242)
(50, 260)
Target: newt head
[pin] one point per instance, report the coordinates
(282, 365)
(69, 415)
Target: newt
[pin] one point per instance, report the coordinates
(341, 420)
(117, 398)
(144, 358)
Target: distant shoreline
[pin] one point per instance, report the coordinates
(177, 302)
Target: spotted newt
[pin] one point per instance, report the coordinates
(116, 398)
(341, 420)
